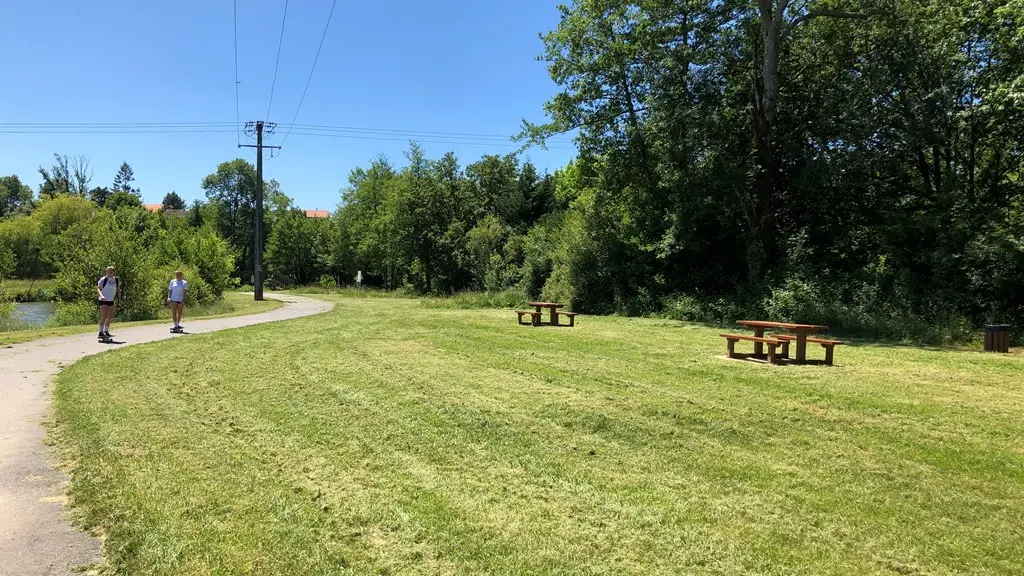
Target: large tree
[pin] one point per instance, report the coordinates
(232, 189)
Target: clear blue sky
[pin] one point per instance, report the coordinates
(461, 66)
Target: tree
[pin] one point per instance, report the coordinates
(232, 189)
(121, 199)
(69, 175)
(173, 202)
(292, 257)
(123, 180)
(99, 195)
(15, 197)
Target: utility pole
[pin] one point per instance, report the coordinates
(258, 128)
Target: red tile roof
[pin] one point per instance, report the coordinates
(154, 207)
(318, 214)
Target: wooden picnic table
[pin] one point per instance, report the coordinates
(552, 306)
(801, 331)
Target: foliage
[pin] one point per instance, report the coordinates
(172, 201)
(728, 150)
(123, 181)
(15, 197)
(121, 199)
(68, 175)
(7, 262)
(74, 313)
(295, 247)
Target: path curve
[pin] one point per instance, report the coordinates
(35, 537)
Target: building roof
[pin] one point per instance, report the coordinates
(154, 208)
(318, 214)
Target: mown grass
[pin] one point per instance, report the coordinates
(387, 437)
(232, 304)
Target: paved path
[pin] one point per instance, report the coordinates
(35, 538)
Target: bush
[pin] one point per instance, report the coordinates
(719, 311)
(856, 310)
(74, 314)
(199, 291)
(83, 252)
(514, 297)
(7, 320)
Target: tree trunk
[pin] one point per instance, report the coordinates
(765, 106)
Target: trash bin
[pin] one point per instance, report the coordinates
(997, 338)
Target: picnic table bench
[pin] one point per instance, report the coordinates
(801, 333)
(772, 343)
(536, 315)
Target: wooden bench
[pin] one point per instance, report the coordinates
(771, 342)
(571, 315)
(534, 317)
(828, 345)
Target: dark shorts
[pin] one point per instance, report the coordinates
(175, 302)
(105, 302)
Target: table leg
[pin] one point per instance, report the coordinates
(758, 347)
(540, 317)
(554, 317)
(801, 347)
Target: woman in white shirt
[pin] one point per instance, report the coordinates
(108, 289)
(176, 292)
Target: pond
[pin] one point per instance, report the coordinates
(35, 314)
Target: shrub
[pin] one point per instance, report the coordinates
(74, 314)
(199, 291)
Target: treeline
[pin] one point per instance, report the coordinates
(852, 162)
(437, 228)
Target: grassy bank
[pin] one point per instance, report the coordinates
(387, 437)
(233, 304)
(28, 290)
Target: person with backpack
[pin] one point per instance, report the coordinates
(176, 293)
(108, 290)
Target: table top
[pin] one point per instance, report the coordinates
(547, 304)
(783, 325)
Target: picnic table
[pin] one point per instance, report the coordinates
(536, 315)
(800, 330)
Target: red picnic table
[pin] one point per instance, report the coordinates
(800, 330)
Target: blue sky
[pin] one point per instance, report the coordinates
(455, 66)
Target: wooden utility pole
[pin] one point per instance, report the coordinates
(259, 128)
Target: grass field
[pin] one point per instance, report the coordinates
(387, 437)
(233, 304)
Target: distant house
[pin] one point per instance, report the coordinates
(154, 208)
(318, 214)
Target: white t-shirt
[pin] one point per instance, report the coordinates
(110, 290)
(177, 288)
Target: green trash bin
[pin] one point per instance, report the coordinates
(997, 338)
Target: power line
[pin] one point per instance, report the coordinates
(238, 123)
(399, 132)
(280, 42)
(342, 132)
(455, 142)
(311, 70)
(308, 128)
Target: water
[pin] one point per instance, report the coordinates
(35, 314)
